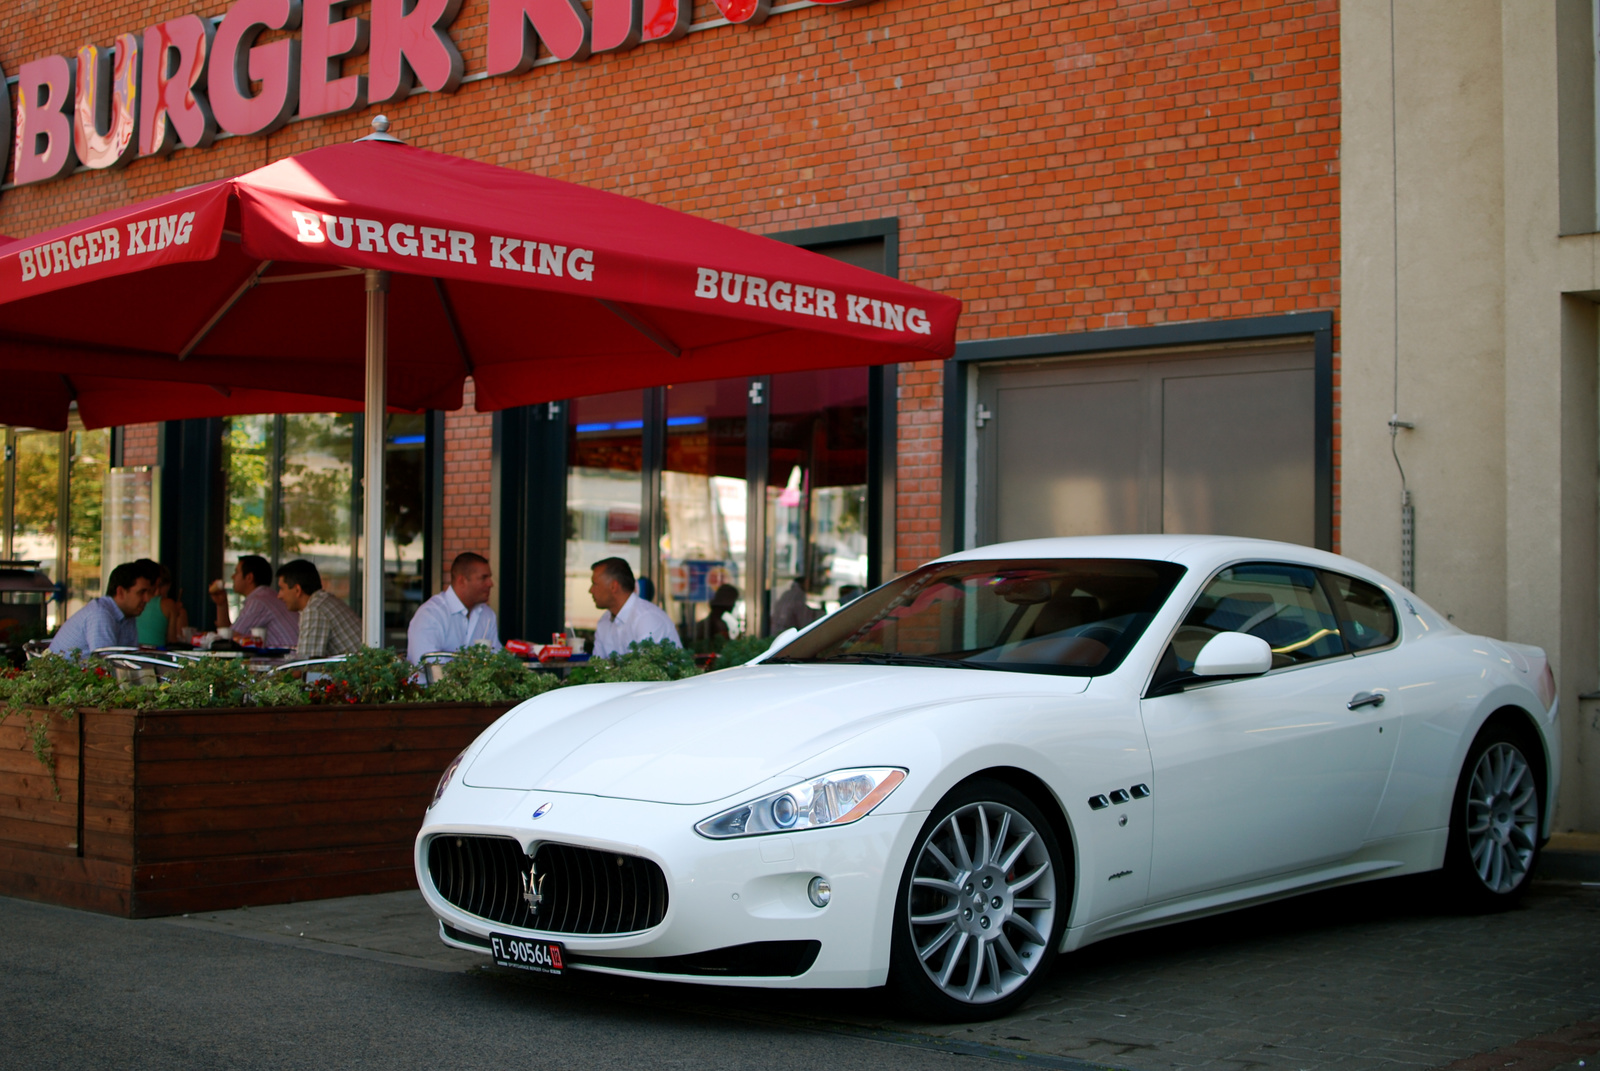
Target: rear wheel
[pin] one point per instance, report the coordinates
(1495, 820)
(981, 906)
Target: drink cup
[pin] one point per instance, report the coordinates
(224, 633)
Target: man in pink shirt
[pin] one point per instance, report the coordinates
(262, 608)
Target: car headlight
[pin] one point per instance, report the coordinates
(834, 799)
(444, 779)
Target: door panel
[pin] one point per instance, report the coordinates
(1264, 776)
(1069, 459)
(1218, 443)
(1237, 457)
(1269, 774)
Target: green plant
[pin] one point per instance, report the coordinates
(55, 687)
(738, 652)
(370, 675)
(646, 660)
(480, 675)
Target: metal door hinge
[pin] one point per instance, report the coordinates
(984, 416)
(755, 392)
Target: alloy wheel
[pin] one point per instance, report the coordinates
(1502, 813)
(983, 902)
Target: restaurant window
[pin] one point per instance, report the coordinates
(816, 493)
(292, 493)
(703, 505)
(51, 504)
(605, 465)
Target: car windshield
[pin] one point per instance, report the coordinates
(1075, 617)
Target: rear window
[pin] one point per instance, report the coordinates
(1075, 617)
(1370, 615)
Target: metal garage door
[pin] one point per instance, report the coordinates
(1203, 442)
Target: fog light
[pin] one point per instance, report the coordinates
(820, 892)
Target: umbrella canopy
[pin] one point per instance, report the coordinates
(381, 275)
(245, 295)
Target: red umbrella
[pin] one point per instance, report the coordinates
(245, 295)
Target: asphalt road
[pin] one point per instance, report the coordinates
(83, 991)
(1373, 976)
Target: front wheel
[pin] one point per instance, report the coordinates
(981, 906)
(1495, 821)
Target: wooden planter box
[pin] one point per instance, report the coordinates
(171, 811)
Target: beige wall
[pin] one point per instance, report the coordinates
(1450, 204)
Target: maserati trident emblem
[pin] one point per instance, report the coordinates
(533, 888)
(542, 810)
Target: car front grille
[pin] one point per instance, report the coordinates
(581, 891)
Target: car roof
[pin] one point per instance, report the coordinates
(1196, 551)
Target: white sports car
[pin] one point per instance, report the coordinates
(1010, 752)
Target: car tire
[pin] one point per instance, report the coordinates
(1496, 820)
(982, 904)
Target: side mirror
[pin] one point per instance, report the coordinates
(1233, 654)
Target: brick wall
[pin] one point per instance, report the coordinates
(467, 486)
(141, 444)
(1060, 165)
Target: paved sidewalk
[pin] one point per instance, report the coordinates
(1365, 977)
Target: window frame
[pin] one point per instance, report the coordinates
(1154, 688)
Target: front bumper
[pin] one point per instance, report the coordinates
(720, 893)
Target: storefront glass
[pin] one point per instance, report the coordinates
(605, 453)
(52, 500)
(816, 493)
(38, 498)
(405, 517)
(86, 479)
(703, 507)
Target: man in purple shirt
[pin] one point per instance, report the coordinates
(262, 608)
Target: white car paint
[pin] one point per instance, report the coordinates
(1262, 787)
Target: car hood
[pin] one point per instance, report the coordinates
(706, 738)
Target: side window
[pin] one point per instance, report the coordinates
(1282, 604)
(1369, 616)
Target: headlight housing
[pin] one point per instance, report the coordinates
(833, 799)
(444, 779)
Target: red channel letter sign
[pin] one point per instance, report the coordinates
(175, 84)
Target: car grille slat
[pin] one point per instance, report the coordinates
(584, 891)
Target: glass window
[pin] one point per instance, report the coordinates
(703, 508)
(1369, 615)
(405, 520)
(316, 483)
(290, 494)
(38, 504)
(249, 464)
(605, 453)
(1282, 604)
(816, 493)
(1071, 617)
(88, 460)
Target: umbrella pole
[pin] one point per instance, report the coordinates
(373, 456)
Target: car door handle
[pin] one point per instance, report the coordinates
(1365, 699)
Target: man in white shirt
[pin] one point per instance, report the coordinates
(459, 615)
(628, 619)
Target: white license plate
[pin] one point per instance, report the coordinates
(526, 954)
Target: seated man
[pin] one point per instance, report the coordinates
(262, 608)
(459, 615)
(628, 618)
(714, 626)
(327, 626)
(112, 620)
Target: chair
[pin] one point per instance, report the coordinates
(311, 665)
(35, 648)
(141, 668)
(433, 664)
